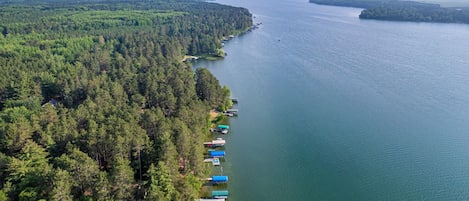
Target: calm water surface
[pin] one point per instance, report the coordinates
(336, 108)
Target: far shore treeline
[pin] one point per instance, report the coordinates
(394, 10)
(95, 103)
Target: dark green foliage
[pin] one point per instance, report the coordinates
(93, 94)
(209, 90)
(395, 10)
(62, 185)
(417, 12)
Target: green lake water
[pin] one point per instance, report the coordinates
(336, 108)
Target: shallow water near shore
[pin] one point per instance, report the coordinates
(336, 108)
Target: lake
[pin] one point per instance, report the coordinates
(336, 108)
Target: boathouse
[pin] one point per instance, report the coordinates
(219, 179)
(219, 142)
(223, 127)
(220, 194)
(217, 154)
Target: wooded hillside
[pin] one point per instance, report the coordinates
(95, 103)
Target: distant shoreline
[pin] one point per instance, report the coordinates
(409, 11)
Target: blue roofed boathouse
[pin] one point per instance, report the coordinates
(215, 154)
(219, 179)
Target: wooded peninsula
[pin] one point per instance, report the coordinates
(95, 103)
(394, 10)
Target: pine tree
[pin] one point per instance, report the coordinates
(62, 186)
(160, 185)
(122, 179)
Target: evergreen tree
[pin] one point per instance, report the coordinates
(160, 184)
(30, 171)
(62, 185)
(101, 188)
(92, 94)
(83, 170)
(122, 179)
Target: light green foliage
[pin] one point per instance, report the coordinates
(101, 191)
(30, 171)
(3, 196)
(192, 185)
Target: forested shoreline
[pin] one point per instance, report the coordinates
(393, 10)
(95, 103)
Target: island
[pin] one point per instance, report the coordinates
(412, 11)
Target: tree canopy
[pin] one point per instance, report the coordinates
(95, 103)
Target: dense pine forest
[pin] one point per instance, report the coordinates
(95, 103)
(417, 12)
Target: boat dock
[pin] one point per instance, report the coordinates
(231, 112)
(214, 161)
(217, 154)
(219, 142)
(214, 156)
(219, 179)
(223, 129)
(220, 194)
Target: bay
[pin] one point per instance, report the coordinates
(337, 108)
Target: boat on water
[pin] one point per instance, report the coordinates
(216, 161)
(232, 111)
(223, 129)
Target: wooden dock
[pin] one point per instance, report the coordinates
(231, 112)
(214, 161)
